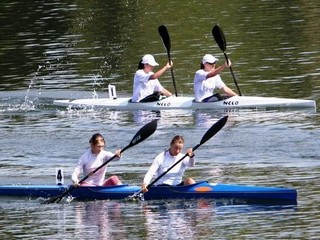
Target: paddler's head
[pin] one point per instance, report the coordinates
(97, 143)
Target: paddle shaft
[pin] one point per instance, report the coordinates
(173, 80)
(233, 76)
(98, 168)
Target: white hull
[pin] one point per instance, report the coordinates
(188, 103)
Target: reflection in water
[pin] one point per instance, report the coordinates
(205, 118)
(176, 117)
(99, 220)
(177, 219)
(145, 116)
(179, 117)
(193, 219)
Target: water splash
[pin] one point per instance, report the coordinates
(28, 103)
(95, 84)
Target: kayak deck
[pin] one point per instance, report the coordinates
(245, 194)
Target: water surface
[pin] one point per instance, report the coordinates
(74, 49)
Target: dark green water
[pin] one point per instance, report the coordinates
(61, 49)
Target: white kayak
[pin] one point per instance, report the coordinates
(188, 103)
(185, 103)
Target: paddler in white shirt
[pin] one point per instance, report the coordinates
(207, 79)
(146, 86)
(165, 160)
(92, 159)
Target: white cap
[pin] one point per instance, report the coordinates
(149, 59)
(208, 58)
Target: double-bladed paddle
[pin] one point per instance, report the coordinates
(209, 134)
(167, 44)
(222, 43)
(146, 131)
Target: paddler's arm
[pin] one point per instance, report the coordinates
(151, 172)
(161, 71)
(228, 91)
(191, 155)
(74, 177)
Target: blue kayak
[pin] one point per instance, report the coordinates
(203, 189)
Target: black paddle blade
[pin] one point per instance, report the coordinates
(145, 132)
(165, 37)
(57, 199)
(214, 129)
(219, 37)
(54, 200)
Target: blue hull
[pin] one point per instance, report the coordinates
(247, 194)
(237, 193)
(81, 193)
